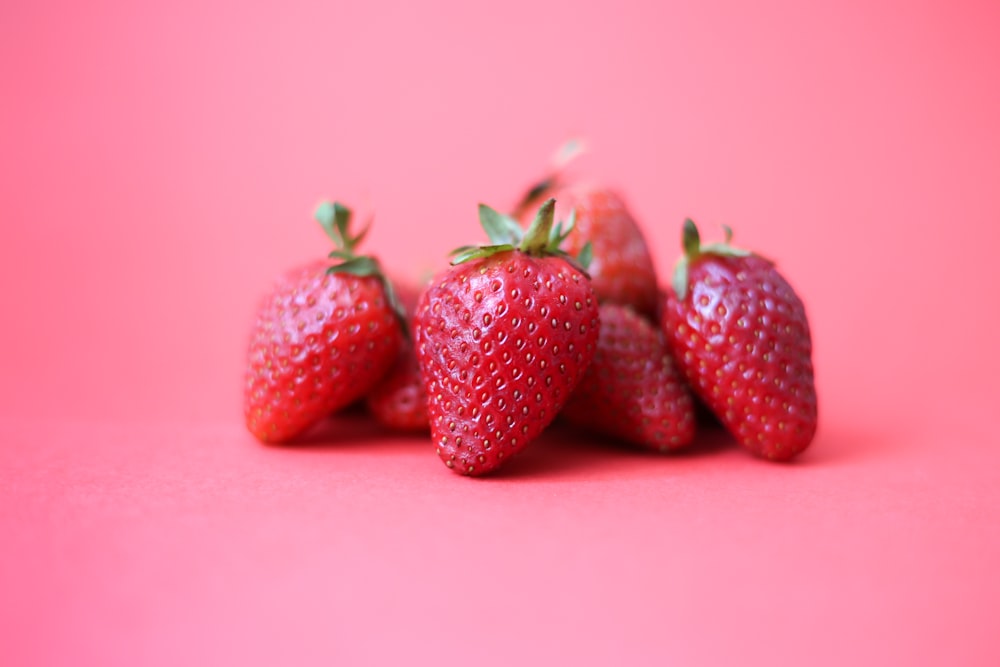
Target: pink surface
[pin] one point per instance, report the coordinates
(159, 165)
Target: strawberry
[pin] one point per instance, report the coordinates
(632, 389)
(621, 268)
(322, 338)
(503, 338)
(740, 335)
(398, 402)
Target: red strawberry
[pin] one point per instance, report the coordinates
(322, 338)
(502, 339)
(632, 390)
(398, 402)
(740, 335)
(621, 268)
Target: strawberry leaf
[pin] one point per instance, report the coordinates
(679, 280)
(499, 228)
(342, 220)
(480, 252)
(564, 155)
(459, 250)
(690, 238)
(325, 215)
(335, 219)
(536, 191)
(724, 250)
(538, 238)
(586, 255)
(358, 266)
(562, 230)
(356, 240)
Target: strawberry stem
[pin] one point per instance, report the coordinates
(334, 218)
(690, 239)
(537, 238)
(565, 154)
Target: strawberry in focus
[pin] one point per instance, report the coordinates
(740, 335)
(632, 389)
(503, 338)
(321, 339)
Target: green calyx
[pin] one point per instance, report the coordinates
(541, 239)
(335, 219)
(693, 249)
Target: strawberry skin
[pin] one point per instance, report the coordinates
(632, 389)
(398, 402)
(502, 340)
(740, 335)
(621, 269)
(320, 342)
(321, 339)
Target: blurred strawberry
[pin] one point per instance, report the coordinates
(323, 337)
(399, 401)
(621, 267)
(632, 389)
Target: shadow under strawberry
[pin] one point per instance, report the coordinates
(558, 454)
(348, 429)
(566, 453)
(709, 438)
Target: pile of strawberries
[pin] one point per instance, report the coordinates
(549, 319)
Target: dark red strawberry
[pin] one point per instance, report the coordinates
(621, 268)
(502, 339)
(322, 338)
(398, 402)
(739, 333)
(632, 390)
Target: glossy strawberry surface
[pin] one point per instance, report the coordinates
(319, 342)
(502, 342)
(741, 337)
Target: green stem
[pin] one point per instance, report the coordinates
(536, 239)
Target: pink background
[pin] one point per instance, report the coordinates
(158, 167)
